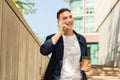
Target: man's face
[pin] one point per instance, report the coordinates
(66, 18)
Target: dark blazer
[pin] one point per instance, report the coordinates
(55, 64)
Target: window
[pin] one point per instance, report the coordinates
(90, 10)
(77, 7)
(90, 2)
(78, 25)
(90, 19)
(90, 24)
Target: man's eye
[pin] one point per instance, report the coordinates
(70, 17)
(64, 18)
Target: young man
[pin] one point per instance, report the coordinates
(67, 48)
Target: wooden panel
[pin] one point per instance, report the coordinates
(10, 32)
(0, 39)
(22, 53)
(0, 22)
(38, 63)
(44, 63)
(28, 56)
(4, 49)
(36, 68)
(20, 58)
(31, 58)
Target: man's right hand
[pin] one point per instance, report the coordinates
(62, 28)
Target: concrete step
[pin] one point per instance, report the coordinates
(102, 72)
(103, 78)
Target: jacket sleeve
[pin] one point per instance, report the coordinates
(83, 47)
(47, 47)
(84, 76)
(86, 52)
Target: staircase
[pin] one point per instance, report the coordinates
(102, 72)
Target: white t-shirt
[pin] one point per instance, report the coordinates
(71, 66)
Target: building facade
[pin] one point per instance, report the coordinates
(108, 25)
(84, 19)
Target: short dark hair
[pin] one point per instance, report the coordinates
(61, 11)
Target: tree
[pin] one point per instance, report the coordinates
(25, 7)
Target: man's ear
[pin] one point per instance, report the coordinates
(58, 23)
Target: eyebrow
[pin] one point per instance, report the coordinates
(66, 16)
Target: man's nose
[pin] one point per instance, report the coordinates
(69, 19)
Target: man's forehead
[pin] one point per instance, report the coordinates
(64, 14)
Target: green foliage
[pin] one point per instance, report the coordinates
(25, 7)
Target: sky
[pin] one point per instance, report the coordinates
(43, 22)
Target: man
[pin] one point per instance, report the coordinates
(67, 48)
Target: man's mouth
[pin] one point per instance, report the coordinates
(68, 24)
